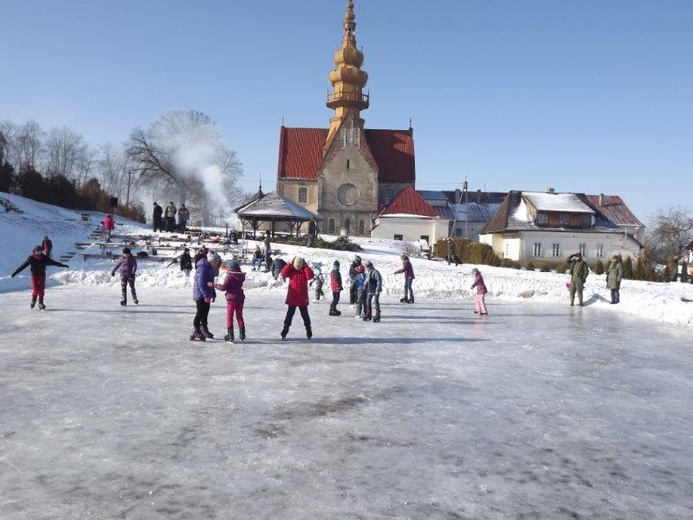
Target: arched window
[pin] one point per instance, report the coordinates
(330, 226)
(347, 226)
(303, 195)
(362, 227)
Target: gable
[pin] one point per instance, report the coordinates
(301, 155)
(409, 202)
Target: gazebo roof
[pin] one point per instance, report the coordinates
(274, 207)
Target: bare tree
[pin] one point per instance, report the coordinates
(26, 147)
(111, 170)
(67, 153)
(670, 236)
(183, 154)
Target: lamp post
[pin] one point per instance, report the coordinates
(127, 196)
(466, 208)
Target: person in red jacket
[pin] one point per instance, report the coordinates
(298, 275)
(336, 286)
(38, 262)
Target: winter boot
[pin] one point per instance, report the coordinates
(242, 331)
(42, 307)
(123, 302)
(285, 331)
(309, 332)
(206, 332)
(229, 335)
(376, 318)
(337, 313)
(33, 302)
(197, 334)
(410, 300)
(403, 300)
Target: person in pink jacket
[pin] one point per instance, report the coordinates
(298, 275)
(235, 297)
(108, 226)
(479, 303)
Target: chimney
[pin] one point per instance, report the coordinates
(478, 196)
(601, 199)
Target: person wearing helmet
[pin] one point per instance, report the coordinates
(38, 262)
(127, 266)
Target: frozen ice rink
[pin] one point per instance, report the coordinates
(535, 411)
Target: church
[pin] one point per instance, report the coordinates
(345, 173)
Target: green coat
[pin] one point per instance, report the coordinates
(578, 272)
(614, 275)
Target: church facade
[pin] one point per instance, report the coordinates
(345, 173)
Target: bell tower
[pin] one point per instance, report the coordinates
(347, 79)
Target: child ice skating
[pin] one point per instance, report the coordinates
(203, 295)
(408, 271)
(235, 297)
(317, 282)
(38, 262)
(127, 266)
(336, 287)
(479, 300)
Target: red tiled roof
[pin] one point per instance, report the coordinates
(409, 202)
(300, 153)
(614, 209)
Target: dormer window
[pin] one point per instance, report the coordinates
(542, 219)
(564, 219)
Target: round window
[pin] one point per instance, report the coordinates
(348, 194)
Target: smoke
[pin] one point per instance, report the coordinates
(197, 152)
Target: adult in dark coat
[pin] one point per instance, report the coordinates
(157, 216)
(37, 262)
(203, 295)
(299, 274)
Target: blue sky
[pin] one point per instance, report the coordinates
(588, 96)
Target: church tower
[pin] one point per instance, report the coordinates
(345, 173)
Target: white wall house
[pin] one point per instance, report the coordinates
(410, 228)
(537, 226)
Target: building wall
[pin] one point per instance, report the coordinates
(347, 190)
(519, 246)
(411, 228)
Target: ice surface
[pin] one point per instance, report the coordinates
(538, 410)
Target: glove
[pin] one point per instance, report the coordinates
(14, 274)
(208, 299)
(113, 273)
(66, 266)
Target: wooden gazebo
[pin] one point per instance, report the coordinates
(272, 208)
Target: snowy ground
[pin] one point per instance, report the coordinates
(538, 410)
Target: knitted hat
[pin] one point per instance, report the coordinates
(298, 263)
(126, 250)
(234, 264)
(359, 269)
(369, 264)
(213, 257)
(37, 250)
(336, 263)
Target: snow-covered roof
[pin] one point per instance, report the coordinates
(563, 202)
(273, 206)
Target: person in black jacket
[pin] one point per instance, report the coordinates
(186, 262)
(38, 262)
(157, 216)
(352, 276)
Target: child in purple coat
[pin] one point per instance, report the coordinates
(233, 285)
(204, 294)
(127, 266)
